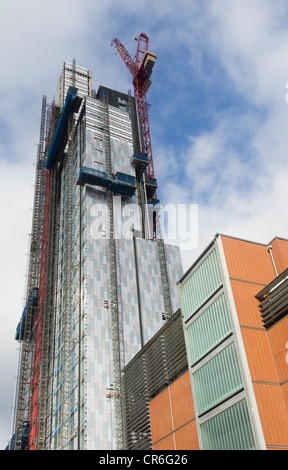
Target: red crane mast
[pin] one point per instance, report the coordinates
(141, 70)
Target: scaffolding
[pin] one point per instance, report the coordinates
(39, 338)
(33, 402)
(66, 383)
(43, 325)
(26, 368)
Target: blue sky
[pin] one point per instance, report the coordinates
(218, 117)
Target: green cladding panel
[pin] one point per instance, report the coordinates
(207, 330)
(229, 430)
(217, 380)
(200, 285)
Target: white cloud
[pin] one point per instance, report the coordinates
(240, 192)
(250, 40)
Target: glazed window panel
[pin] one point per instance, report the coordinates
(217, 380)
(200, 285)
(229, 430)
(209, 329)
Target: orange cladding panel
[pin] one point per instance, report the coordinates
(278, 336)
(186, 437)
(284, 388)
(172, 417)
(182, 401)
(259, 355)
(248, 261)
(160, 416)
(273, 413)
(280, 254)
(276, 448)
(165, 444)
(246, 304)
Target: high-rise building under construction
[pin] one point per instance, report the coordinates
(101, 281)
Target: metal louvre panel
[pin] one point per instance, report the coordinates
(161, 360)
(136, 404)
(175, 350)
(275, 306)
(156, 372)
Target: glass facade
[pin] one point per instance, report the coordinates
(217, 380)
(216, 377)
(208, 329)
(229, 430)
(204, 280)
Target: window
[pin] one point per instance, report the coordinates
(229, 430)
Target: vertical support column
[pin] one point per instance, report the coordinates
(66, 384)
(116, 333)
(52, 302)
(80, 314)
(74, 73)
(164, 279)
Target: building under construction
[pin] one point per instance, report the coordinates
(101, 281)
(108, 359)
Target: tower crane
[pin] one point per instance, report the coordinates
(141, 70)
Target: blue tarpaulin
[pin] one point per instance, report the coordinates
(32, 303)
(121, 183)
(60, 137)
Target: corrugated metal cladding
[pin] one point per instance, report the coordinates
(229, 430)
(200, 284)
(161, 360)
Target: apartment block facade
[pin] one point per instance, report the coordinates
(234, 307)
